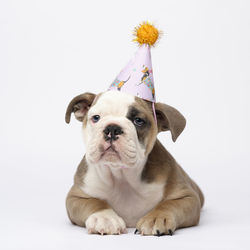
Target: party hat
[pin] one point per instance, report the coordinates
(137, 77)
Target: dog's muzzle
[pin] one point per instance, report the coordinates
(111, 132)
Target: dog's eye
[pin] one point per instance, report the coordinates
(139, 122)
(95, 118)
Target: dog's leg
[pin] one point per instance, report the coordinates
(94, 214)
(169, 215)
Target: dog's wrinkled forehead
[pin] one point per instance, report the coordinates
(113, 103)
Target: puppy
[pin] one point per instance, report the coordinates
(127, 178)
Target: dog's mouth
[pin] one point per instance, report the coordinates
(110, 150)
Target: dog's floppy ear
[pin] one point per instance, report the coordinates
(169, 118)
(80, 106)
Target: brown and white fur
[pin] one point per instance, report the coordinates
(130, 179)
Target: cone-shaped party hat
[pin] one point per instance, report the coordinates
(137, 77)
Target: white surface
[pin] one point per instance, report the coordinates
(51, 51)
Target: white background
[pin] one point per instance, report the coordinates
(51, 51)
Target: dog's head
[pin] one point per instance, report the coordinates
(119, 129)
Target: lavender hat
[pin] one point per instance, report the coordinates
(137, 77)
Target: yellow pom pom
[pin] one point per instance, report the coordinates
(146, 33)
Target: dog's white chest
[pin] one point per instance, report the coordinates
(132, 204)
(124, 191)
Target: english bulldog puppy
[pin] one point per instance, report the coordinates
(127, 178)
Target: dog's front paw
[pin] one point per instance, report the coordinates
(105, 222)
(156, 224)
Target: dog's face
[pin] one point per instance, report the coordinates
(119, 129)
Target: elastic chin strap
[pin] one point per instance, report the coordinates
(153, 107)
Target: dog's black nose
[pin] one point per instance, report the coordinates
(111, 132)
